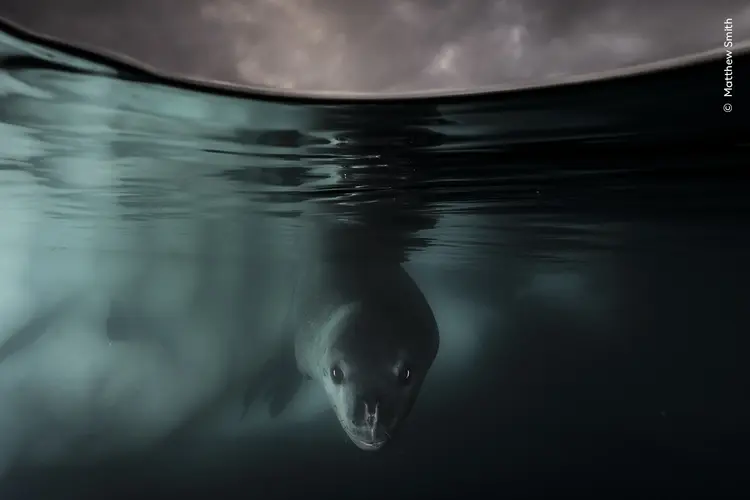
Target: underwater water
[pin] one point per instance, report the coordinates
(584, 250)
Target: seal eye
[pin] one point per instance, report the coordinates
(404, 376)
(337, 376)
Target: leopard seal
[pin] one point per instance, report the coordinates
(362, 329)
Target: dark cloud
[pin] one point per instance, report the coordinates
(396, 45)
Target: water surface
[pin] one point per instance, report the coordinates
(584, 249)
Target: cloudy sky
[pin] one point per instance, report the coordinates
(386, 45)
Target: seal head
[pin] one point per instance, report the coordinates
(373, 369)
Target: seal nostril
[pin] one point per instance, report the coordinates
(371, 408)
(371, 403)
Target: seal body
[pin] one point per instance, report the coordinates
(358, 325)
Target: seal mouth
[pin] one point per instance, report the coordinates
(364, 443)
(367, 445)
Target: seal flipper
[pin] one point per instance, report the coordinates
(278, 382)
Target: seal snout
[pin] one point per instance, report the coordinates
(371, 414)
(371, 419)
(367, 411)
(366, 429)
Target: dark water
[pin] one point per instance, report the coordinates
(584, 249)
